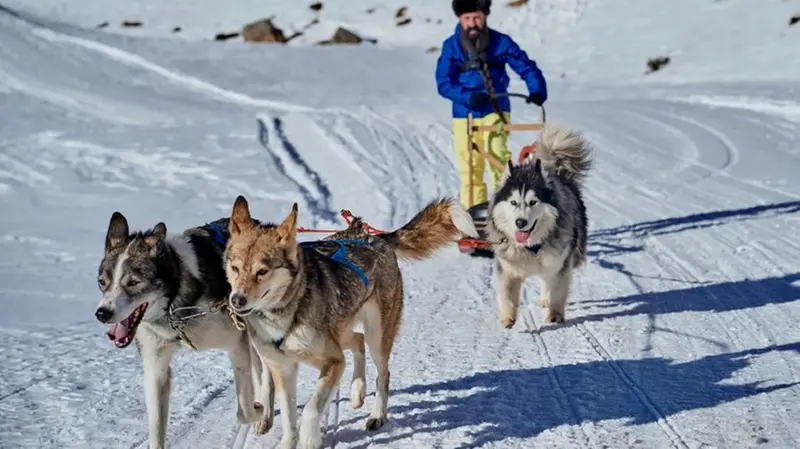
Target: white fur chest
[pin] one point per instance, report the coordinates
(278, 343)
(521, 262)
(266, 330)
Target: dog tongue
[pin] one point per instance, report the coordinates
(118, 331)
(522, 236)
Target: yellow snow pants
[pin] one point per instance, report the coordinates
(495, 142)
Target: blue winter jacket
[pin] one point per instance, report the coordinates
(458, 85)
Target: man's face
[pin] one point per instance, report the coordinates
(472, 22)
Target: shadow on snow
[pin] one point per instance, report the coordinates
(523, 403)
(606, 243)
(698, 221)
(720, 297)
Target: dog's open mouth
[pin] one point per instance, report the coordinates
(122, 333)
(523, 236)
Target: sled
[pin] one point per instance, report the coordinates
(480, 212)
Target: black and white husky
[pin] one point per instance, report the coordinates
(162, 292)
(537, 223)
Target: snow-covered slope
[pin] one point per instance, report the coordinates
(682, 329)
(586, 40)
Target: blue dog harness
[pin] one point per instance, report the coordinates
(219, 236)
(340, 256)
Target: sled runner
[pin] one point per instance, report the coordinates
(479, 212)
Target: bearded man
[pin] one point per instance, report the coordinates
(470, 70)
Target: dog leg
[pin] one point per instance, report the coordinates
(358, 386)
(329, 376)
(380, 339)
(241, 357)
(156, 359)
(556, 288)
(508, 292)
(286, 386)
(326, 411)
(544, 295)
(265, 392)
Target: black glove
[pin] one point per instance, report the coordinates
(479, 98)
(535, 98)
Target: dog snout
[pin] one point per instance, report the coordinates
(238, 300)
(103, 314)
(521, 223)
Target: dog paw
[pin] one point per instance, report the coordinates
(507, 322)
(374, 424)
(358, 393)
(310, 438)
(287, 443)
(263, 426)
(555, 317)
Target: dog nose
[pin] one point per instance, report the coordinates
(521, 223)
(238, 300)
(103, 314)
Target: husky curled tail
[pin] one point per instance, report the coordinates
(439, 223)
(565, 152)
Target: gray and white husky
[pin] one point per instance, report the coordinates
(537, 223)
(161, 292)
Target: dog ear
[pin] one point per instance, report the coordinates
(509, 169)
(240, 216)
(541, 175)
(117, 233)
(288, 228)
(159, 232)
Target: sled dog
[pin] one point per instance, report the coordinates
(161, 292)
(301, 301)
(538, 224)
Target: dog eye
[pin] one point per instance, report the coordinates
(262, 272)
(235, 269)
(101, 282)
(532, 203)
(514, 203)
(132, 283)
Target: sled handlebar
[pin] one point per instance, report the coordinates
(524, 97)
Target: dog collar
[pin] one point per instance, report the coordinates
(534, 249)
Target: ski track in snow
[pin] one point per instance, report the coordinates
(681, 329)
(289, 162)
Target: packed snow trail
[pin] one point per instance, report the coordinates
(681, 330)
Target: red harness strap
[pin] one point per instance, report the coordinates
(348, 217)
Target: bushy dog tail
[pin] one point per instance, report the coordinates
(441, 222)
(565, 152)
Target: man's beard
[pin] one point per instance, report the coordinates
(474, 32)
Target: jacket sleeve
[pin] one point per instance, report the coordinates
(526, 68)
(447, 77)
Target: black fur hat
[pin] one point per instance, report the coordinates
(465, 6)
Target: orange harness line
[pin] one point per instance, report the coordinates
(527, 150)
(348, 217)
(469, 242)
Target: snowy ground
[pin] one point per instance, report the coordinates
(586, 40)
(682, 330)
